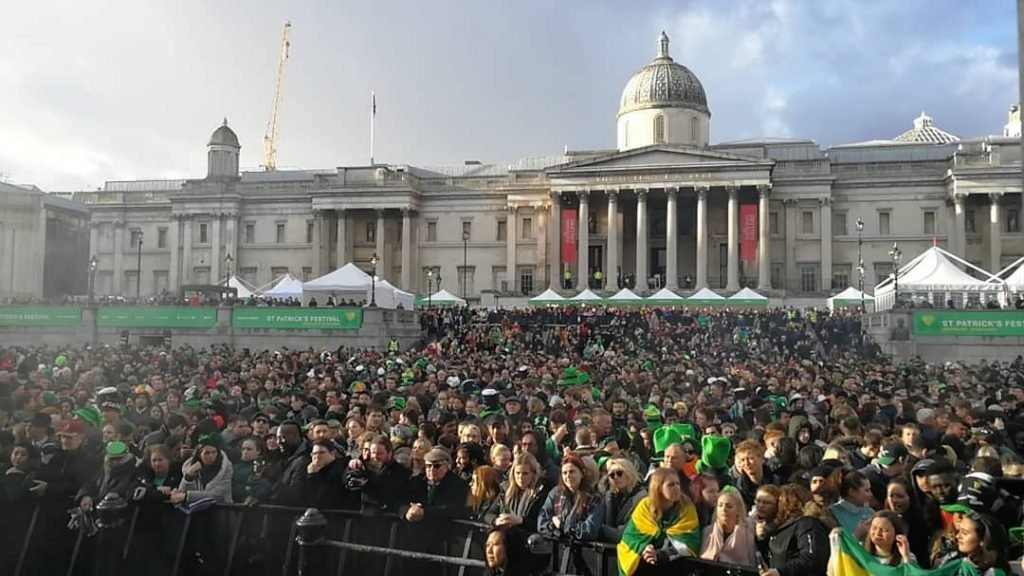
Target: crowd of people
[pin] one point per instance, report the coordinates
(769, 440)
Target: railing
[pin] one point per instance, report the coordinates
(268, 540)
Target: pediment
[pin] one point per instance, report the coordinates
(659, 157)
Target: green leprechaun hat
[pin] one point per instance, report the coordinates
(573, 376)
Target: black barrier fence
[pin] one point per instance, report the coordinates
(230, 539)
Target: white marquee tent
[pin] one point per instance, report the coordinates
(934, 275)
(851, 298)
(243, 289)
(587, 296)
(285, 287)
(547, 298)
(390, 296)
(445, 298)
(351, 283)
(624, 297)
(1013, 275)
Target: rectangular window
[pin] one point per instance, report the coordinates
(204, 233)
(278, 271)
(807, 222)
(883, 223)
(279, 234)
(882, 271)
(502, 230)
(136, 235)
(499, 275)
(526, 281)
(307, 273)
(161, 238)
(250, 232)
(778, 274)
(248, 274)
(969, 221)
(1012, 221)
(527, 232)
(839, 224)
(466, 280)
(809, 278)
(371, 232)
(309, 231)
(432, 231)
(929, 222)
(773, 223)
(160, 282)
(841, 276)
(467, 230)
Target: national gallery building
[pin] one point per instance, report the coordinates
(666, 207)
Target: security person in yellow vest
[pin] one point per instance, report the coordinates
(598, 278)
(393, 345)
(567, 280)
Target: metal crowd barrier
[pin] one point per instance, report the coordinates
(268, 540)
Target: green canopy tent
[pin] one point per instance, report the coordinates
(747, 298)
(665, 297)
(548, 298)
(624, 297)
(440, 298)
(851, 298)
(587, 298)
(705, 297)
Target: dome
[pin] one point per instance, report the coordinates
(224, 136)
(926, 132)
(663, 84)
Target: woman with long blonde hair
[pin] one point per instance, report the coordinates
(483, 501)
(663, 526)
(524, 497)
(730, 538)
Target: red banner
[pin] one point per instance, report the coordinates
(748, 232)
(569, 236)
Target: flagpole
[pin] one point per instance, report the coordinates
(373, 116)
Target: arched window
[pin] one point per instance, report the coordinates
(694, 129)
(659, 129)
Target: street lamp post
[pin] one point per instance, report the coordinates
(896, 254)
(94, 263)
(138, 273)
(228, 261)
(860, 261)
(465, 260)
(373, 281)
(430, 287)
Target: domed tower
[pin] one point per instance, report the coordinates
(222, 153)
(663, 103)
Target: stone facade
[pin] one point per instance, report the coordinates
(664, 206)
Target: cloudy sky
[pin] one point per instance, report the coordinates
(107, 90)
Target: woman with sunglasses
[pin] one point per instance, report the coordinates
(622, 491)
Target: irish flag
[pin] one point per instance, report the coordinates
(849, 558)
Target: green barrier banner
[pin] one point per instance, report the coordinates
(31, 317)
(156, 317)
(298, 318)
(964, 323)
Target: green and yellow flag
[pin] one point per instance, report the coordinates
(849, 558)
(643, 529)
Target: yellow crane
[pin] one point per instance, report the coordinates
(270, 138)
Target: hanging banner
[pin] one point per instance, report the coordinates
(748, 232)
(569, 236)
(1007, 323)
(285, 318)
(156, 317)
(39, 316)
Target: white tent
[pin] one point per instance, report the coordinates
(934, 276)
(546, 298)
(704, 295)
(445, 298)
(747, 297)
(351, 283)
(1013, 275)
(851, 298)
(285, 287)
(242, 288)
(390, 296)
(666, 297)
(624, 297)
(587, 296)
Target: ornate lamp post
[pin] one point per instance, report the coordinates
(228, 261)
(430, 287)
(465, 260)
(373, 281)
(896, 254)
(860, 261)
(138, 277)
(94, 263)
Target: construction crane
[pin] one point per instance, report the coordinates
(270, 138)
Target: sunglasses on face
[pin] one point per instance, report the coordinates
(616, 474)
(435, 464)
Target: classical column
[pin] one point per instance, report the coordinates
(8, 272)
(790, 281)
(407, 272)
(641, 239)
(342, 248)
(959, 231)
(764, 275)
(94, 238)
(186, 252)
(118, 283)
(826, 244)
(39, 253)
(510, 248)
(702, 237)
(555, 257)
(541, 230)
(215, 255)
(382, 259)
(672, 239)
(583, 242)
(611, 269)
(318, 243)
(995, 238)
(231, 240)
(733, 265)
(173, 275)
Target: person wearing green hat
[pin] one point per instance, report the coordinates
(714, 457)
(118, 477)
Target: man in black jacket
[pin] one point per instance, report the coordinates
(296, 459)
(385, 482)
(437, 496)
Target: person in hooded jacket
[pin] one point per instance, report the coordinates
(207, 474)
(799, 546)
